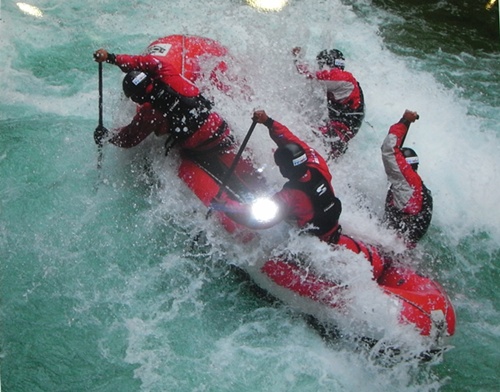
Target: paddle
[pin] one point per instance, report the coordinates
(100, 125)
(230, 172)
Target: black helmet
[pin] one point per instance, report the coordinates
(411, 157)
(291, 159)
(135, 85)
(333, 58)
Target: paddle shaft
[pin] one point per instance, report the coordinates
(100, 94)
(99, 147)
(230, 172)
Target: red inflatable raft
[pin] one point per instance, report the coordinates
(421, 301)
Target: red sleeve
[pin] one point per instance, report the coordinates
(296, 205)
(335, 74)
(342, 85)
(406, 182)
(157, 69)
(146, 121)
(282, 135)
(399, 130)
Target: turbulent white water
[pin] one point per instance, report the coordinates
(101, 290)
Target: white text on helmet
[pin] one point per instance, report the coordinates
(412, 160)
(159, 49)
(297, 161)
(339, 63)
(139, 78)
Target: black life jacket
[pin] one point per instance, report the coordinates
(412, 227)
(327, 207)
(185, 115)
(353, 118)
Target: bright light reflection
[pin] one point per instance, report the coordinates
(264, 209)
(30, 10)
(268, 5)
(490, 4)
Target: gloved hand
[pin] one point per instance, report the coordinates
(296, 51)
(410, 116)
(260, 116)
(100, 133)
(102, 55)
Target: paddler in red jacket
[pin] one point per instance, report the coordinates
(203, 61)
(307, 198)
(170, 104)
(346, 107)
(408, 206)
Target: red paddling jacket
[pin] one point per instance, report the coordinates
(344, 95)
(309, 201)
(182, 111)
(408, 206)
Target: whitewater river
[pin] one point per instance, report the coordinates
(101, 288)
